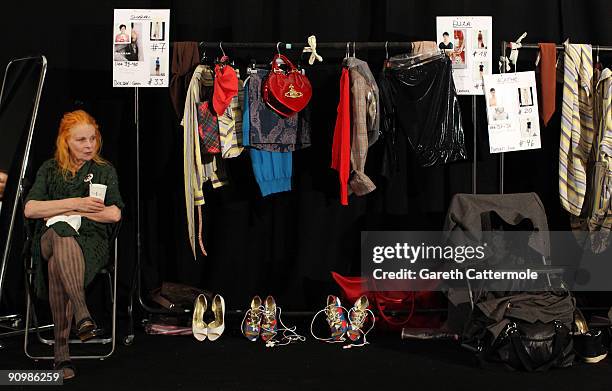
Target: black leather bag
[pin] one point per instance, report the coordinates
(533, 346)
(177, 297)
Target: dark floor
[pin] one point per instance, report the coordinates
(233, 363)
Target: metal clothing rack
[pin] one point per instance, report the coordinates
(383, 45)
(532, 46)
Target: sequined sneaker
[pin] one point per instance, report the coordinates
(252, 325)
(336, 318)
(268, 323)
(357, 317)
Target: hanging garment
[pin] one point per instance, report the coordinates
(371, 97)
(230, 125)
(226, 87)
(272, 170)
(208, 129)
(576, 126)
(197, 169)
(363, 115)
(185, 58)
(596, 216)
(388, 129)
(427, 108)
(423, 47)
(548, 71)
(269, 131)
(341, 147)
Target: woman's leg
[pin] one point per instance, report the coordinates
(70, 266)
(61, 310)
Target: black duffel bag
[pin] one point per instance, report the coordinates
(533, 346)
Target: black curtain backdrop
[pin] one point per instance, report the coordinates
(284, 244)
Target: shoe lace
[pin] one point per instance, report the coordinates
(332, 315)
(358, 317)
(333, 319)
(251, 318)
(268, 316)
(289, 333)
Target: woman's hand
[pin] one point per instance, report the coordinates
(88, 205)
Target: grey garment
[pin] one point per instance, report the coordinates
(372, 97)
(544, 307)
(464, 219)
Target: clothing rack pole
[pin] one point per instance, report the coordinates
(602, 48)
(475, 155)
(502, 69)
(301, 45)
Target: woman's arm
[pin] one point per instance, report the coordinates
(110, 214)
(44, 209)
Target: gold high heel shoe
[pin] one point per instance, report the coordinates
(198, 326)
(216, 327)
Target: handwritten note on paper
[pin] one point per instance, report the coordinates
(141, 48)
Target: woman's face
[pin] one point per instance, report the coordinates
(82, 142)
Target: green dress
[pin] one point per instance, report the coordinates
(93, 237)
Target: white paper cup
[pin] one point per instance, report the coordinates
(97, 190)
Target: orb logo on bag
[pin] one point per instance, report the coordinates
(292, 93)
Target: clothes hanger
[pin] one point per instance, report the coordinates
(224, 58)
(598, 65)
(279, 61)
(203, 59)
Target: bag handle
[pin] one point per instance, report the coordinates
(277, 69)
(521, 351)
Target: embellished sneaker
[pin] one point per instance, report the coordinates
(268, 323)
(336, 318)
(251, 326)
(357, 317)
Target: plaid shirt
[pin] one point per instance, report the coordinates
(208, 128)
(359, 183)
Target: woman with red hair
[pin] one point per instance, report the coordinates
(73, 229)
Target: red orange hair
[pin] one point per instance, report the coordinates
(64, 159)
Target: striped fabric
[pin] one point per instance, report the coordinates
(66, 266)
(230, 125)
(576, 126)
(601, 217)
(197, 169)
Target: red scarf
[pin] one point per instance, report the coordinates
(225, 87)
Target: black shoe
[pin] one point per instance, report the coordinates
(589, 347)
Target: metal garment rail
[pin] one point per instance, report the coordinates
(533, 46)
(301, 45)
(136, 287)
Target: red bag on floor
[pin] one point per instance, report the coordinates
(389, 301)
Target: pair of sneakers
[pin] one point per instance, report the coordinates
(346, 324)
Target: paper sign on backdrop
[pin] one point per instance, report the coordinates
(512, 111)
(141, 48)
(467, 40)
